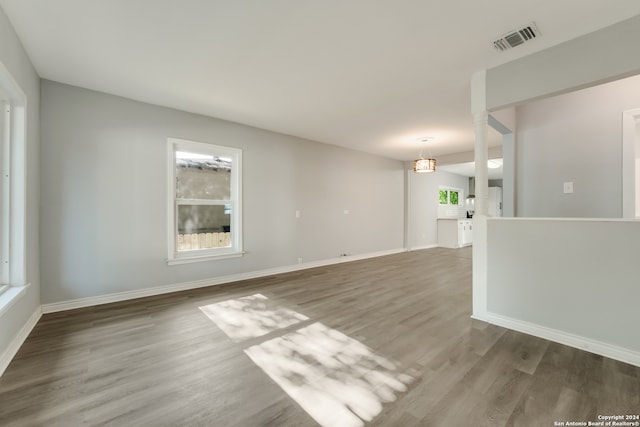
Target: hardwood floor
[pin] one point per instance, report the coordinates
(381, 342)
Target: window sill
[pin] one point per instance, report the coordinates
(10, 296)
(192, 259)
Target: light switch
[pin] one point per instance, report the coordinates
(346, 211)
(297, 214)
(568, 187)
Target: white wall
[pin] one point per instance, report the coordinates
(423, 205)
(576, 137)
(15, 59)
(549, 276)
(104, 189)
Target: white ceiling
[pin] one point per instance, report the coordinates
(371, 75)
(469, 169)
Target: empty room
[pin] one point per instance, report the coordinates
(295, 213)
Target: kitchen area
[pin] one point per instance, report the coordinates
(441, 204)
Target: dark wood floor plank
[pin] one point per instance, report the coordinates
(535, 407)
(620, 390)
(497, 405)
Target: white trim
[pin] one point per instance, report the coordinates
(449, 189)
(15, 193)
(629, 155)
(159, 290)
(5, 190)
(408, 222)
(482, 317)
(17, 342)
(418, 248)
(10, 296)
(576, 341)
(210, 257)
(480, 266)
(235, 250)
(561, 219)
(455, 247)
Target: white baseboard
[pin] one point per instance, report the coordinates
(419, 248)
(17, 342)
(140, 293)
(481, 317)
(455, 247)
(576, 341)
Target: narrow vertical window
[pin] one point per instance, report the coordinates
(205, 201)
(5, 164)
(13, 189)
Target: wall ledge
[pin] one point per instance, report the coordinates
(159, 290)
(11, 296)
(597, 347)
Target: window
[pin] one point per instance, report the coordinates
(450, 202)
(13, 276)
(205, 209)
(5, 146)
(450, 196)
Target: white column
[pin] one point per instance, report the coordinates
(509, 175)
(481, 126)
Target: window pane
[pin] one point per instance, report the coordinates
(202, 176)
(443, 197)
(203, 227)
(453, 197)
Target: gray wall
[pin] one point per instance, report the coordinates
(601, 56)
(551, 274)
(15, 59)
(566, 278)
(574, 137)
(104, 216)
(423, 205)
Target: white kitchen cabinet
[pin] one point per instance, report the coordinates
(465, 232)
(455, 233)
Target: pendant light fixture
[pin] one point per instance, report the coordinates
(424, 165)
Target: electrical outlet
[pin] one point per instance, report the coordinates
(568, 187)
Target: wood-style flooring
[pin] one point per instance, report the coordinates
(381, 342)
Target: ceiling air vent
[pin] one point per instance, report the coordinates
(516, 37)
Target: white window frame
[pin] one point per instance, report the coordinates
(448, 210)
(449, 190)
(235, 249)
(5, 190)
(13, 204)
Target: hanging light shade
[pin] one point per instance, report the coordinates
(424, 165)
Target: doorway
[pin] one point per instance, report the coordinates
(631, 163)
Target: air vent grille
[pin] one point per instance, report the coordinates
(516, 37)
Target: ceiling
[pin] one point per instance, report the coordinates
(469, 169)
(370, 75)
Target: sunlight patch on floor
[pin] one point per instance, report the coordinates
(250, 317)
(337, 380)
